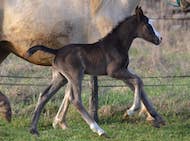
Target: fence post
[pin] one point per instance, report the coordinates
(93, 100)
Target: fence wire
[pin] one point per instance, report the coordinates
(103, 80)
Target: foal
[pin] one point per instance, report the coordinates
(109, 56)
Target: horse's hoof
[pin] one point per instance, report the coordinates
(63, 126)
(125, 116)
(55, 125)
(34, 132)
(161, 121)
(104, 135)
(154, 123)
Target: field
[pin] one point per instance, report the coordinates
(172, 102)
(170, 96)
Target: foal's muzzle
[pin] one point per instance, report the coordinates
(157, 40)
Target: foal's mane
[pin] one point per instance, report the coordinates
(118, 25)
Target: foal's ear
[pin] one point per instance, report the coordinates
(139, 13)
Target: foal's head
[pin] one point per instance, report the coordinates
(145, 28)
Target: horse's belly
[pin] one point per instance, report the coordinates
(28, 23)
(95, 68)
(95, 71)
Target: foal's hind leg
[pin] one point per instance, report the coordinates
(60, 118)
(57, 82)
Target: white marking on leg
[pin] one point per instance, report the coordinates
(130, 112)
(61, 114)
(155, 31)
(136, 104)
(137, 99)
(95, 128)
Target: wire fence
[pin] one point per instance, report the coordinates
(108, 80)
(103, 80)
(171, 18)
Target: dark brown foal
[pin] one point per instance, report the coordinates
(109, 56)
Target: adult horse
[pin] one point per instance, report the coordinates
(27, 23)
(5, 108)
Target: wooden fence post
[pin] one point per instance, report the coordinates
(93, 100)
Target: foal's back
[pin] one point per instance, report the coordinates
(90, 57)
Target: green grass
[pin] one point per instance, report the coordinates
(173, 105)
(175, 130)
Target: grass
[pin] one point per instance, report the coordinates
(173, 105)
(176, 129)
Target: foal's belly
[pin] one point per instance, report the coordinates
(95, 69)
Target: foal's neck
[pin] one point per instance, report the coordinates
(122, 35)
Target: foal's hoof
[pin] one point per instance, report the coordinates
(154, 123)
(34, 132)
(125, 116)
(104, 135)
(163, 123)
(63, 125)
(160, 120)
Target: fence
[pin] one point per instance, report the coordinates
(107, 80)
(147, 85)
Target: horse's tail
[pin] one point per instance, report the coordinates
(34, 49)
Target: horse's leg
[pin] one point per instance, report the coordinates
(93, 99)
(3, 53)
(152, 116)
(7, 114)
(144, 111)
(76, 85)
(134, 82)
(60, 118)
(5, 108)
(57, 82)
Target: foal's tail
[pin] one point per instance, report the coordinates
(36, 48)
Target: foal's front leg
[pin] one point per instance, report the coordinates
(133, 80)
(75, 79)
(146, 107)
